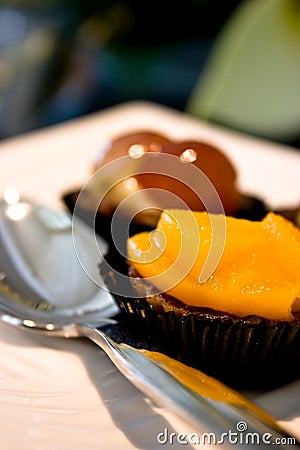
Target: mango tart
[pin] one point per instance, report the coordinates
(239, 322)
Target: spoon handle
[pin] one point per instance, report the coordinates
(202, 401)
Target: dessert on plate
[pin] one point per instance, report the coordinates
(136, 177)
(241, 322)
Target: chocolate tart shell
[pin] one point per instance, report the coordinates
(245, 353)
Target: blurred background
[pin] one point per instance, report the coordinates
(233, 62)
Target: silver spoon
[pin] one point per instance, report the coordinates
(44, 288)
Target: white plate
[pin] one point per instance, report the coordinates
(65, 394)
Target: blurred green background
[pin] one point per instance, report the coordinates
(63, 59)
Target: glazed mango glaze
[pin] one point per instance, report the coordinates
(257, 272)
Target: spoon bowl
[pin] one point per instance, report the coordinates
(44, 288)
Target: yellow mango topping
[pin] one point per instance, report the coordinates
(232, 265)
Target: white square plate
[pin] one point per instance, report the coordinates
(65, 394)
